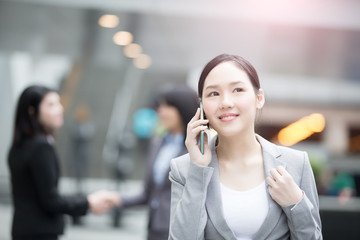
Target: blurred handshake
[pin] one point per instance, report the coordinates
(103, 200)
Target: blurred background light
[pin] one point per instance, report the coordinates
(144, 122)
(143, 61)
(109, 21)
(315, 122)
(132, 50)
(301, 129)
(123, 38)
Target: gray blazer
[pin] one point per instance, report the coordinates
(196, 208)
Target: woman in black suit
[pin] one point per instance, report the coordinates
(34, 169)
(175, 106)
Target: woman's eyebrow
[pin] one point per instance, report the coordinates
(216, 86)
(211, 86)
(236, 82)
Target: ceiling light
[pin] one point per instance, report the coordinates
(132, 50)
(108, 21)
(143, 61)
(123, 38)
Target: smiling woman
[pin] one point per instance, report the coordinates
(242, 187)
(228, 96)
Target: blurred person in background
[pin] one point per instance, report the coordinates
(341, 185)
(242, 187)
(34, 169)
(82, 132)
(176, 104)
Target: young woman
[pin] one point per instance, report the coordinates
(242, 187)
(176, 105)
(34, 169)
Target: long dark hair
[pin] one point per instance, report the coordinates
(182, 97)
(27, 122)
(242, 63)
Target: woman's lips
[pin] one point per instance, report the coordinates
(228, 117)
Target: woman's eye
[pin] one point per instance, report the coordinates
(212, 94)
(238, 90)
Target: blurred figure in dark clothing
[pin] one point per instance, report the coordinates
(82, 133)
(176, 104)
(35, 172)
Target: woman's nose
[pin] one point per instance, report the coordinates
(226, 101)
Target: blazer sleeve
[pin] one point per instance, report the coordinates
(304, 218)
(188, 215)
(44, 169)
(140, 198)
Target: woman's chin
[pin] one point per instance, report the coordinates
(228, 133)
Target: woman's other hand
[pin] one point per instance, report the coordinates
(282, 187)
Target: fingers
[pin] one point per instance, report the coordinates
(281, 170)
(198, 123)
(197, 119)
(270, 181)
(196, 116)
(279, 173)
(196, 131)
(275, 174)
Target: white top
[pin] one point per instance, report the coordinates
(245, 211)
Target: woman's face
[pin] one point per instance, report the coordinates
(170, 118)
(51, 111)
(229, 100)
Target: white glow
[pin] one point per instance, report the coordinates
(108, 21)
(123, 38)
(143, 61)
(132, 50)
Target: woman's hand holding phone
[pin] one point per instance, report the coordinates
(202, 133)
(194, 128)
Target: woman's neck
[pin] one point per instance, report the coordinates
(237, 148)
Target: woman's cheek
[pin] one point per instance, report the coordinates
(209, 109)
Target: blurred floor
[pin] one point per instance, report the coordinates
(133, 226)
(133, 223)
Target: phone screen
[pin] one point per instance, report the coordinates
(202, 132)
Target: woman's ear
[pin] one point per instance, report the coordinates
(260, 97)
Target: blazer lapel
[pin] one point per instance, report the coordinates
(213, 200)
(213, 203)
(271, 160)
